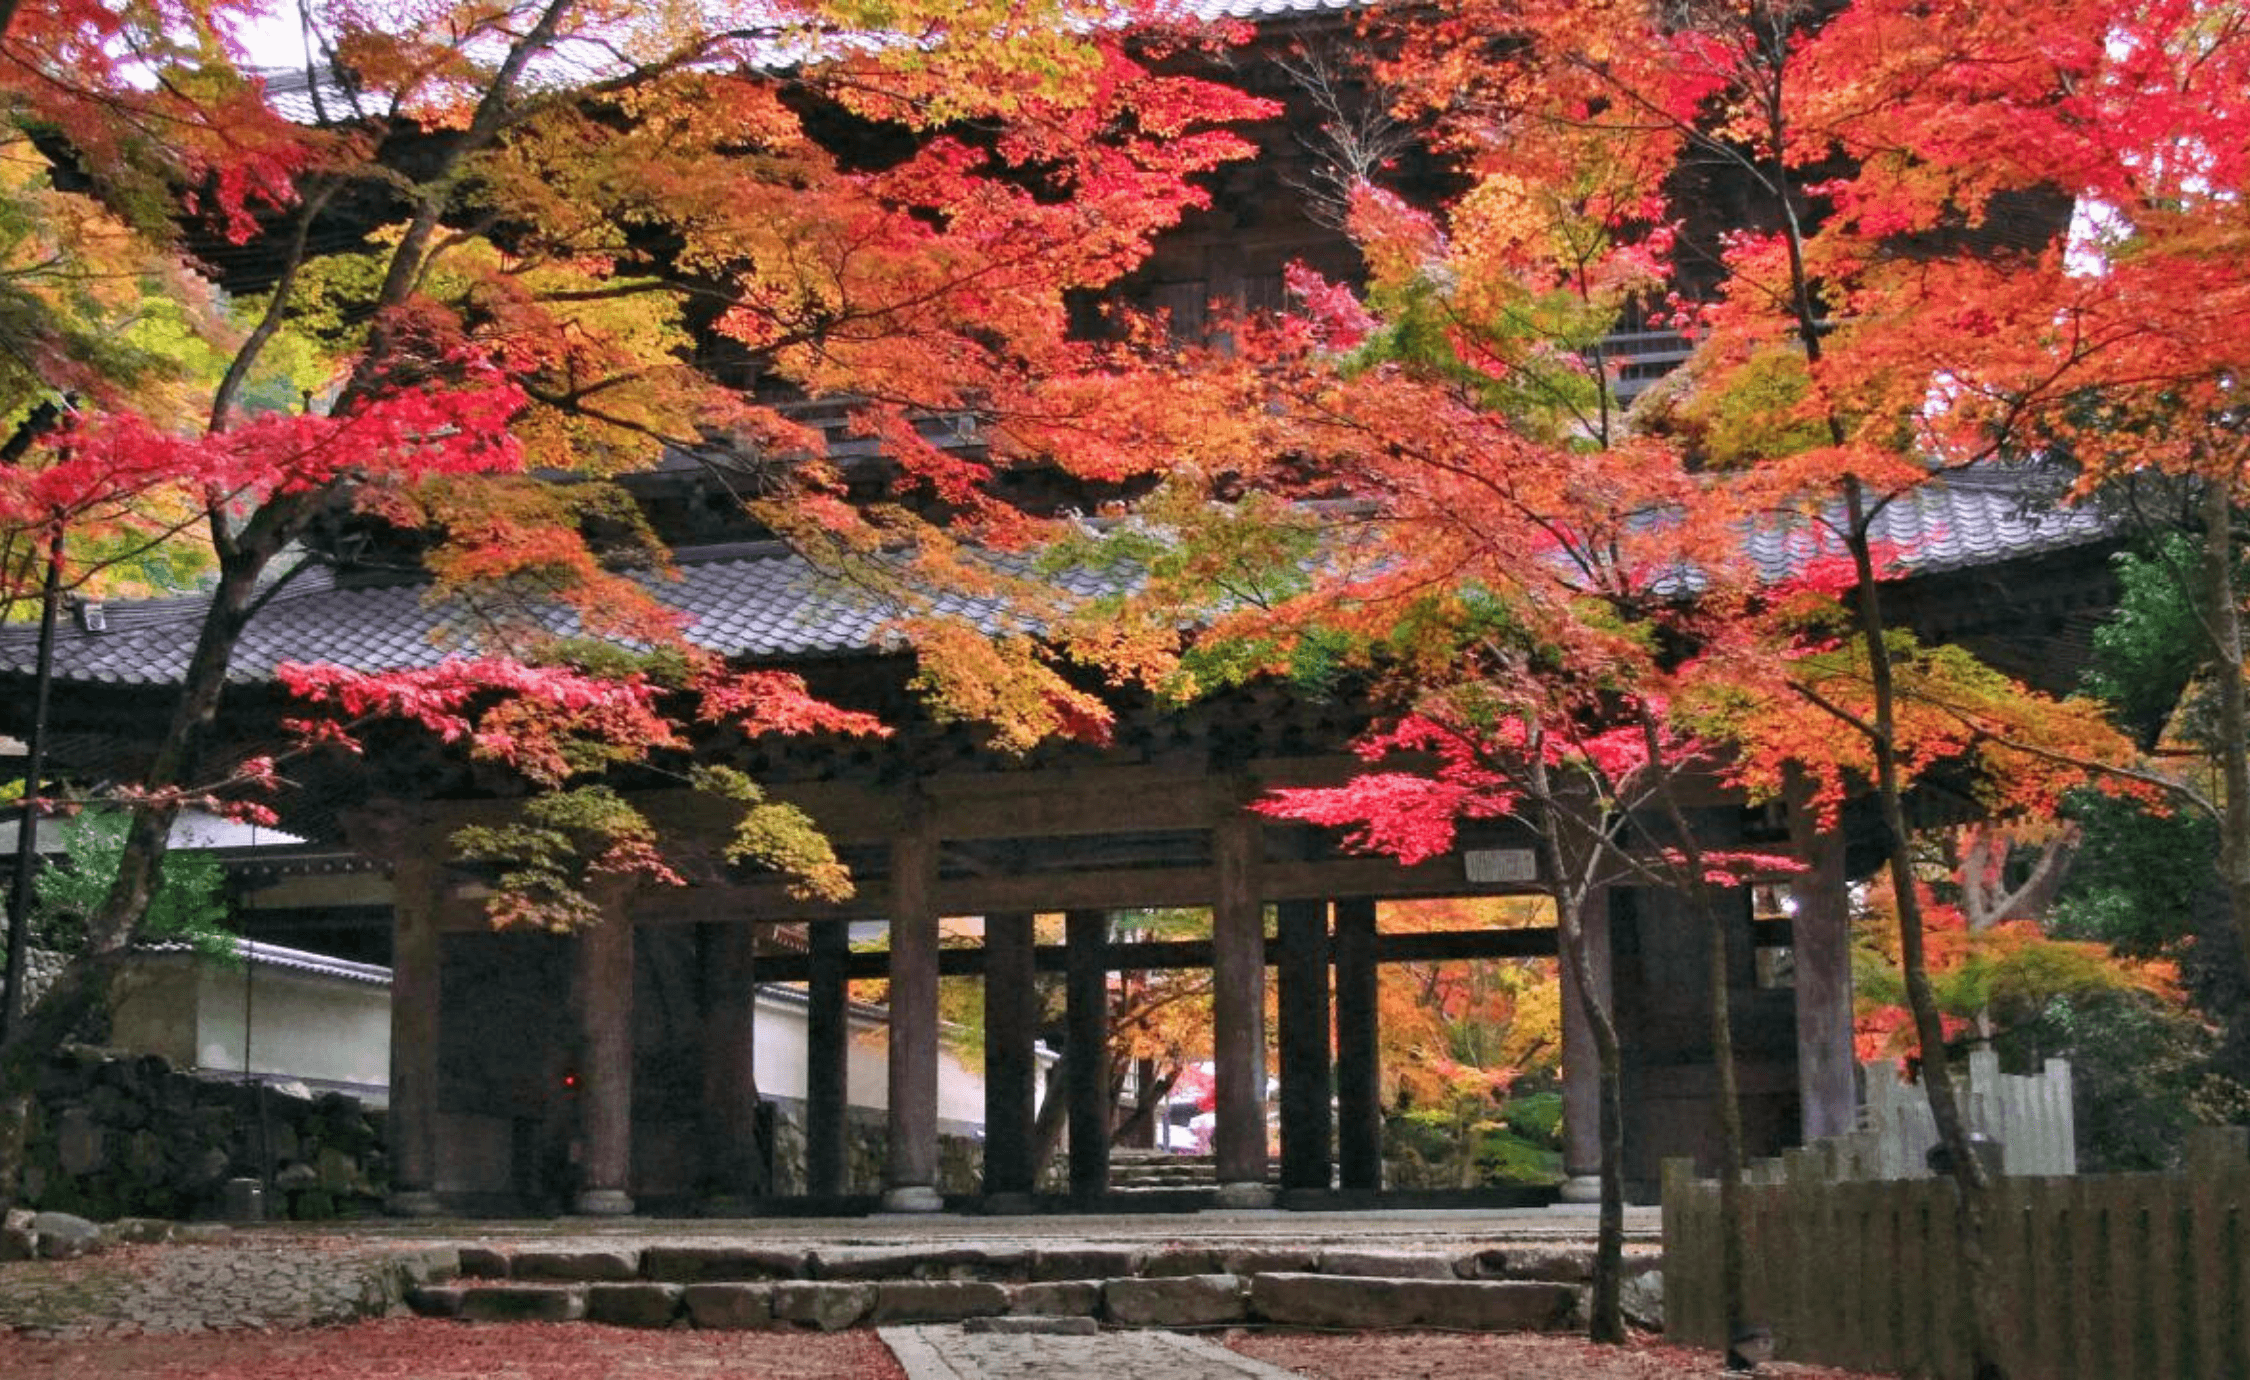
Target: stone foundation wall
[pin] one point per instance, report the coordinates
(866, 1142)
(129, 1136)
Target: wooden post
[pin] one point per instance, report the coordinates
(733, 1164)
(827, 1056)
(911, 1162)
(1359, 1077)
(1238, 1000)
(416, 967)
(1301, 940)
(1821, 956)
(1010, 1071)
(1581, 1062)
(1086, 1048)
(604, 979)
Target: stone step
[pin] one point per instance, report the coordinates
(1281, 1297)
(691, 1263)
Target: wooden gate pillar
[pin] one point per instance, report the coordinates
(1086, 1048)
(911, 1160)
(1010, 1070)
(604, 982)
(411, 1127)
(1359, 1069)
(733, 1164)
(1238, 999)
(827, 1059)
(1301, 969)
(1581, 1063)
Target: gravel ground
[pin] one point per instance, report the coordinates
(1509, 1356)
(421, 1349)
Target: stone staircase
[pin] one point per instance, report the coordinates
(1517, 1286)
(1141, 1171)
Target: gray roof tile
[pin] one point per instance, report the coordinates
(763, 603)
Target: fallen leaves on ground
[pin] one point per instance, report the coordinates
(426, 1349)
(1489, 1356)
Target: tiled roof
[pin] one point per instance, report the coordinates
(752, 603)
(764, 603)
(263, 955)
(1976, 517)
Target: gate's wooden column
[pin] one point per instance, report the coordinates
(1010, 1071)
(1821, 957)
(911, 1162)
(827, 1056)
(1301, 968)
(411, 1125)
(1581, 1063)
(604, 979)
(1359, 1070)
(1238, 1025)
(1086, 1048)
(733, 1164)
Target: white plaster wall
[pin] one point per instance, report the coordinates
(780, 1060)
(301, 1025)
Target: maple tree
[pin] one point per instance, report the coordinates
(1881, 294)
(579, 238)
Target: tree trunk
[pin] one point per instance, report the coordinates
(1972, 1205)
(2225, 613)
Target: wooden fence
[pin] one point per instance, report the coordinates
(2029, 1114)
(2126, 1275)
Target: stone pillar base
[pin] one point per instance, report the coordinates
(912, 1198)
(603, 1202)
(1245, 1196)
(413, 1202)
(1582, 1188)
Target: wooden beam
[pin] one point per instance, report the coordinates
(1153, 955)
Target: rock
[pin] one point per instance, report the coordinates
(576, 1265)
(144, 1156)
(523, 1303)
(951, 1262)
(138, 1231)
(1073, 1326)
(1641, 1297)
(78, 1142)
(296, 1178)
(18, 1243)
(696, 1264)
(338, 1174)
(435, 1265)
(1086, 1262)
(729, 1306)
(483, 1262)
(1534, 1260)
(201, 1233)
(436, 1301)
(1180, 1301)
(202, 1170)
(63, 1236)
(1385, 1264)
(827, 1306)
(1057, 1298)
(936, 1300)
(1169, 1262)
(1267, 1260)
(633, 1305)
(1470, 1305)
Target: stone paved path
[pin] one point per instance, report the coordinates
(949, 1353)
(194, 1288)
